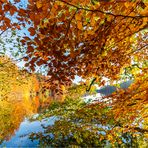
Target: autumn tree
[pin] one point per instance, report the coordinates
(91, 39)
(14, 82)
(17, 97)
(83, 38)
(7, 70)
(80, 38)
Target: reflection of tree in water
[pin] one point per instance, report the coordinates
(16, 87)
(19, 97)
(12, 113)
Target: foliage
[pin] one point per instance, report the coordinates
(91, 39)
(17, 97)
(12, 113)
(78, 123)
(14, 81)
(5, 72)
(85, 38)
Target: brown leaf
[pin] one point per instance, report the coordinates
(30, 49)
(32, 31)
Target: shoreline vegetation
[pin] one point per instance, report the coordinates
(22, 99)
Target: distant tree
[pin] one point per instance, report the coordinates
(108, 90)
(14, 81)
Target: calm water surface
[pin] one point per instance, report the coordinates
(21, 138)
(15, 126)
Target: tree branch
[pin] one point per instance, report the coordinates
(69, 24)
(137, 49)
(96, 10)
(88, 89)
(4, 31)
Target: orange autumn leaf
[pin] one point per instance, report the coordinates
(39, 4)
(32, 31)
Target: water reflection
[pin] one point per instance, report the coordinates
(19, 99)
(21, 137)
(13, 119)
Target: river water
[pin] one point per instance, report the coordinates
(15, 125)
(21, 136)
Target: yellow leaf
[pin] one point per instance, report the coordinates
(79, 25)
(109, 18)
(39, 4)
(97, 5)
(104, 53)
(78, 17)
(93, 21)
(126, 4)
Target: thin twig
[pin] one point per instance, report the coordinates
(4, 31)
(92, 82)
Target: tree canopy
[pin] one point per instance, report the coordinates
(89, 38)
(85, 38)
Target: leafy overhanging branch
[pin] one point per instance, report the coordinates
(96, 10)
